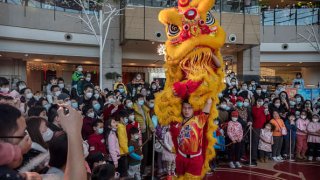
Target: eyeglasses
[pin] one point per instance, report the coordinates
(15, 137)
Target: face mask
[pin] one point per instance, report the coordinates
(244, 87)
(121, 90)
(277, 105)
(264, 90)
(233, 83)
(239, 104)
(131, 117)
(68, 102)
(61, 85)
(292, 103)
(308, 105)
(47, 106)
(136, 137)
(260, 103)
(234, 92)
(5, 90)
(223, 106)
(129, 105)
(141, 102)
(97, 107)
(228, 108)
(268, 128)
(100, 130)
(220, 95)
(91, 115)
(126, 120)
(234, 118)
(111, 100)
(89, 95)
(36, 98)
(114, 129)
(250, 88)
(253, 83)
(138, 77)
(315, 119)
(22, 87)
(47, 136)
(303, 116)
(151, 105)
(29, 95)
(88, 79)
(258, 91)
(154, 87)
(298, 99)
(216, 122)
(96, 96)
(57, 93)
(74, 105)
(245, 104)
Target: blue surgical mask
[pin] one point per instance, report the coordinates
(239, 104)
(47, 106)
(97, 107)
(141, 102)
(74, 105)
(100, 131)
(121, 90)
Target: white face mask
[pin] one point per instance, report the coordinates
(131, 117)
(129, 105)
(47, 136)
(136, 137)
(88, 79)
(5, 90)
(80, 69)
(234, 118)
(258, 91)
(57, 93)
(29, 95)
(91, 115)
(111, 100)
(96, 96)
(223, 106)
(126, 120)
(277, 105)
(61, 85)
(315, 119)
(245, 104)
(22, 87)
(151, 105)
(89, 95)
(303, 116)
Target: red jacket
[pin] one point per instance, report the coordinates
(97, 144)
(87, 129)
(258, 117)
(136, 125)
(108, 111)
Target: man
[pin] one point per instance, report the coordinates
(13, 130)
(188, 140)
(55, 92)
(86, 98)
(52, 81)
(62, 86)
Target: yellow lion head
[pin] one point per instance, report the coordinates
(190, 27)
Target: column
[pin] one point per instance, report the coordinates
(248, 64)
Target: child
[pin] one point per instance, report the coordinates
(113, 142)
(96, 140)
(292, 129)
(122, 120)
(135, 155)
(235, 133)
(302, 145)
(132, 123)
(314, 138)
(265, 142)
(167, 155)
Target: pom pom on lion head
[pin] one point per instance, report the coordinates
(192, 61)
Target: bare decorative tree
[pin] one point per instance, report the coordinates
(313, 37)
(97, 22)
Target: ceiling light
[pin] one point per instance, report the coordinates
(63, 61)
(228, 46)
(300, 62)
(26, 55)
(152, 42)
(0, 55)
(132, 64)
(37, 60)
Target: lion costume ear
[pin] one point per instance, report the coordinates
(203, 6)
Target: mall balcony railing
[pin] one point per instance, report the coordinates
(290, 17)
(235, 6)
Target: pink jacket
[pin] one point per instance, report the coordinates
(9, 153)
(235, 131)
(114, 149)
(314, 127)
(302, 126)
(266, 141)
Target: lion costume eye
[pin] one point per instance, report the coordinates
(173, 30)
(210, 19)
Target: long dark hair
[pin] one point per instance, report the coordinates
(33, 126)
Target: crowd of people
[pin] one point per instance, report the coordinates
(102, 134)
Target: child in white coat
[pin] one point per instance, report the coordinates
(167, 155)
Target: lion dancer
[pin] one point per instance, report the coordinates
(188, 137)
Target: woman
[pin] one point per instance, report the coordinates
(38, 156)
(307, 106)
(26, 99)
(279, 106)
(298, 82)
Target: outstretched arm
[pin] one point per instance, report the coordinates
(207, 107)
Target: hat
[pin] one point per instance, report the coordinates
(240, 99)
(63, 96)
(234, 114)
(316, 115)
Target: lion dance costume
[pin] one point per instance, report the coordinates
(193, 66)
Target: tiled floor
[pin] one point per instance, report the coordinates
(270, 170)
